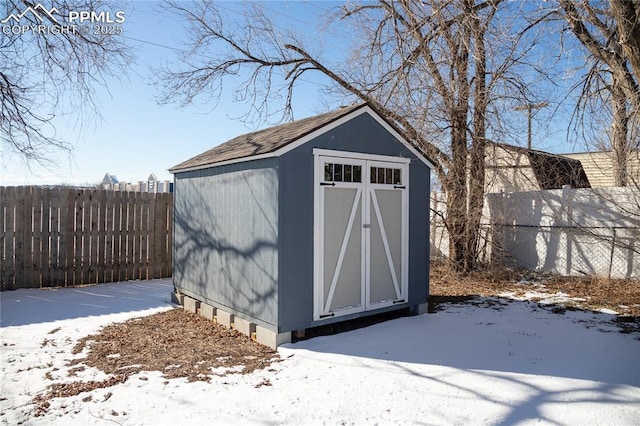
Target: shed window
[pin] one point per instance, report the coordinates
(334, 172)
(386, 175)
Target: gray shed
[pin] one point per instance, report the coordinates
(316, 221)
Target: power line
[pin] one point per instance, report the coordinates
(199, 54)
(293, 18)
(154, 44)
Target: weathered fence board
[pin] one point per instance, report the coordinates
(66, 236)
(20, 224)
(67, 220)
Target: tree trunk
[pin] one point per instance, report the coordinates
(477, 152)
(457, 193)
(619, 131)
(627, 16)
(457, 188)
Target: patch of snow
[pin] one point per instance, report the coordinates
(488, 362)
(221, 371)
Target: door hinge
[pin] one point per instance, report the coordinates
(398, 301)
(327, 184)
(327, 315)
(399, 187)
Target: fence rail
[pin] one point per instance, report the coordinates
(68, 237)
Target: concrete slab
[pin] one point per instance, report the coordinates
(243, 326)
(224, 318)
(177, 298)
(207, 311)
(420, 309)
(270, 338)
(190, 304)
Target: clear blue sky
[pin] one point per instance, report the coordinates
(137, 136)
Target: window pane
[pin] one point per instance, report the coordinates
(328, 172)
(388, 176)
(347, 173)
(374, 175)
(357, 173)
(396, 177)
(337, 172)
(381, 175)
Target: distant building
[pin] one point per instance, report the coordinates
(515, 169)
(152, 184)
(109, 179)
(600, 166)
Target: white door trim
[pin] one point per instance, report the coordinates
(358, 156)
(365, 195)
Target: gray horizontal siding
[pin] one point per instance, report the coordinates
(226, 237)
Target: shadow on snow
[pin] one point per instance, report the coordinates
(32, 306)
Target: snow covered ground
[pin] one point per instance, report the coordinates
(493, 362)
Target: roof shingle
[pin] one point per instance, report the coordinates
(263, 141)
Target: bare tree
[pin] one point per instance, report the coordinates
(610, 33)
(627, 16)
(439, 70)
(50, 71)
(608, 39)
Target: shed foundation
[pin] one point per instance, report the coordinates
(207, 311)
(270, 338)
(224, 318)
(190, 304)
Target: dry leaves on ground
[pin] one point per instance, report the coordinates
(176, 343)
(592, 293)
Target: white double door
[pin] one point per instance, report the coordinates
(361, 228)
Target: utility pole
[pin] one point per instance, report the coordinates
(529, 108)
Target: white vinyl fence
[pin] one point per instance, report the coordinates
(565, 231)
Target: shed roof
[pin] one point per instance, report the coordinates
(269, 140)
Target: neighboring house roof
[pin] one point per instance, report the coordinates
(551, 171)
(109, 179)
(268, 141)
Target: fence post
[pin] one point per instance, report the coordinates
(566, 223)
(498, 223)
(8, 266)
(567, 211)
(613, 248)
(433, 217)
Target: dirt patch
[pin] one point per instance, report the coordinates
(622, 296)
(176, 343)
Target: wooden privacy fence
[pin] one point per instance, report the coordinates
(68, 237)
